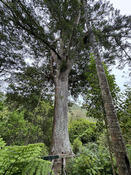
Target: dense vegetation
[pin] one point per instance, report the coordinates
(88, 137)
(48, 51)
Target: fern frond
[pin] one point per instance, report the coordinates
(37, 167)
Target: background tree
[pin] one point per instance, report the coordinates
(93, 101)
(32, 126)
(122, 160)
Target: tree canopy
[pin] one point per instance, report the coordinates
(31, 30)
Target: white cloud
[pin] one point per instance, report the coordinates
(123, 5)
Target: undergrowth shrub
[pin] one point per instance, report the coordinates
(37, 167)
(91, 160)
(129, 151)
(77, 145)
(23, 160)
(84, 130)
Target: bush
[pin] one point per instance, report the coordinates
(92, 160)
(129, 151)
(82, 129)
(77, 145)
(15, 130)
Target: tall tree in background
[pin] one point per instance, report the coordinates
(92, 98)
(94, 102)
(119, 149)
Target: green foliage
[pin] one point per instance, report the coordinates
(21, 125)
(77, 145)
(30, 89)
(93, 98)
(128, 146)
(43, 118)
(15, 129)
(76, 112)
(82, 129)
(37, 167)
(18, 159)
(124, 114)
(102, 140)
(2, 143)
(92, 160)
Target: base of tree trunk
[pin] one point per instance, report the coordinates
(59, 165)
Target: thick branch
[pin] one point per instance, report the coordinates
(73, 31)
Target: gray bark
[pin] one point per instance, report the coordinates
(110, 147)
(60, 136)
(118, 144)
(117, 140)
(60, 139)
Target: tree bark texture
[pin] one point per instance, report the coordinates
(110, 147)
(112, 121)
(109, 141)
(117, 140)
(60, 139)
(60, 136)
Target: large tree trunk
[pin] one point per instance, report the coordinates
(118, 145)
(60, 139)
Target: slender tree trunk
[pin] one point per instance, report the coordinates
(119, 148)
(110, 147)
(110, 152)
(112, 121)
(109, 141)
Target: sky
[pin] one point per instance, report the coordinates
(122, 76)
(123, 5)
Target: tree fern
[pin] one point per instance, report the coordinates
(13, 159)
(37, 167)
